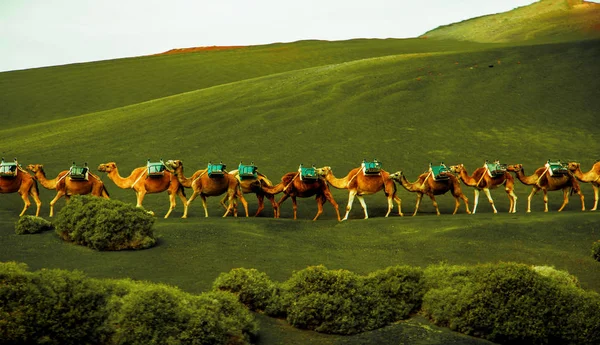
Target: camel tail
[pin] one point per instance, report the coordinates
(182, 189)
(105, 192)
(265, 180)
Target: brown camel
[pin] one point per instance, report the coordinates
(142, 184)
(66, 186)
(592, 176)
(206, 186)
(24, 184)
(359, 184)
(541, 180)
(293, 186)
(481, 180)
(426, 184)
(248, 185)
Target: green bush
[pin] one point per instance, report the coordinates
(51, 307)
(253, 288)
(596, 250)
(511, 304)
(104, 224)
(31, 225)
(62, 307)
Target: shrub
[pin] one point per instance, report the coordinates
(31, 225)
(159, 314)
(596, 250)
(253, 288)
(104, 224)
(51, 307)
(511, 303)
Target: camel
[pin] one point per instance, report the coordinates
(541, 180)
(481, 180)
(293, 186)
(426, 184)
(24, 184)
(248, 185)
(142, 184)
(359, 184)
(65, 186)
(592, 176)
(206, 186)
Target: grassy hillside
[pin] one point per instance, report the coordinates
(404, 102)
(549, 20)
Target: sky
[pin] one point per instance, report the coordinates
(37, 33)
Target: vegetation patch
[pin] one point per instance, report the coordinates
(511, 303)
(596, 250)
(330, 301)
(63, 307)
(103, 224)
(31, 225)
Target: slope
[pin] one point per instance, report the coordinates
(545, 20)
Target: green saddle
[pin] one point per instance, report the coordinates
(78, 172)
(9, 169)
(439, 172)
(496, 168)
(557, 168)
(247, 171)
(156, 168)
(371, 168)
(309, 174)
(216, 170)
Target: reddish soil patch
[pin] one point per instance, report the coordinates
(198, 49)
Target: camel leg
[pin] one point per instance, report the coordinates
(261, 204)
(59, 195)
(456, 205)
(203, 198)
(435, 204)
(34, 194)
(26, 203)
(546, 201)
(565, 198)
(390, 205)
(240, 196)
(184, 201)
(363, 204)
(582, 200)
(419, 197)
(534, 191)
(295, 207)
(330, 198)
(274, 204)
(399, 202)
(222, 202)
(489, 196)
(595, 197)
(320, 201)
(476, 202)
(283, 198)
(512, 197)
(351, 195)
(172, 204)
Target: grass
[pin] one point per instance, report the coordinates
(405, 102)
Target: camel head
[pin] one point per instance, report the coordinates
(457, 169)
(173, 165)
(574, 166)
(324, 171)
(397, 176)
(34, 168)
(107, 167)
(515, 167)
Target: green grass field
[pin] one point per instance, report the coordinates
(405, 102)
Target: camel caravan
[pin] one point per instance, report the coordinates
(367, 178)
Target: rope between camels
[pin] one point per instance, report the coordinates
(350, 180)
(199, 176)
(482, 176)
(136, 181)
(537, 183)
(286, 187)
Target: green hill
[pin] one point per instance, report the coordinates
(405, 102)
(549, 20)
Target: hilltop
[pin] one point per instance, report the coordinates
(551, 20)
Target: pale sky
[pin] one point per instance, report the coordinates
(36, 33)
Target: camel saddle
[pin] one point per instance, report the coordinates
(371, 168)
(309, 174)
(247, 171)
(495, 169)
(79, 172)
(557, 168)
(9, 169)
(216, 170)
(156, 168)
(439, 172)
